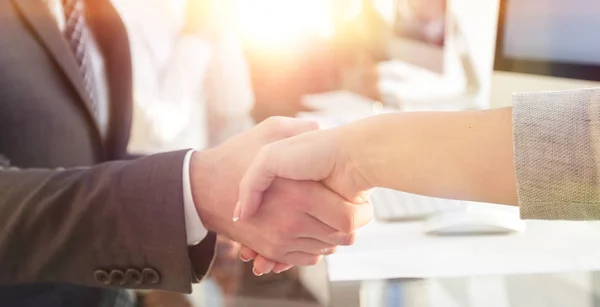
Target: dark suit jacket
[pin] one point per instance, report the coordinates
(68, 215)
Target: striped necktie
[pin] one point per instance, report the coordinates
(78, 36)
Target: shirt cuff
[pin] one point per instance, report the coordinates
(195, 230)
(556, 144)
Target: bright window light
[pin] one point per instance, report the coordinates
(272, 23)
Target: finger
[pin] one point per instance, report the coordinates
(278, 268)
(319, 231)
(339, 214)
(237, 210)
(281, 267)
(261, 172)
(312, 246)
(258, 178)
(300, 258)
(246, 254)
(361, 197)
(262, 266)
(293, 126)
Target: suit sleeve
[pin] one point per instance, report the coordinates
(118, 224)
(557, 154)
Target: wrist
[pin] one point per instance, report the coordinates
(211, 190)
(351, 156)
(360, 142)
(201, 169)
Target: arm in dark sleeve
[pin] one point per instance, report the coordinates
(77, 225)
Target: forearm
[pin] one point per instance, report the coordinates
(63, 225)
(460, 155)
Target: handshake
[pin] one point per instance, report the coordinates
(287, 191)
(290, 193)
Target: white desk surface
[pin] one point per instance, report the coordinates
(395, 250)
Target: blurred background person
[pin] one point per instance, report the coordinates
(424, 20)
(191, 81)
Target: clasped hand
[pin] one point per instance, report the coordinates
(293, 193)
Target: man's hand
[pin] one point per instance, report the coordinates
(299, 220)
(317, 156)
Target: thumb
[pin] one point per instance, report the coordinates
(256, 181)
(263, 170)
(293, 126)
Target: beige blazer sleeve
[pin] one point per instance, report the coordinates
(556, 144)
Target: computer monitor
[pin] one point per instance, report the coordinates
(417, 31)
(545, 45)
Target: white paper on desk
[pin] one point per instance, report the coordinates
(396, 250)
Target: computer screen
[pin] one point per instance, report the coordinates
(557, 38)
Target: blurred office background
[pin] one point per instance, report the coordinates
(220, 66)
(205, 70)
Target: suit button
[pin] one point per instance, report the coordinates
(150, 276)
(117, 277)
(133, 276)
(102, 277)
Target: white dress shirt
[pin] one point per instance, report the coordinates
(195, 230)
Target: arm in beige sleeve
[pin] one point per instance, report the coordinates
(544, 150)
(556, 153)
(458, 155)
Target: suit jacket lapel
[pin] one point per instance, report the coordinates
(44, 25)
(111, 35)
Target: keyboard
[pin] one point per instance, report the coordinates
(392, 205)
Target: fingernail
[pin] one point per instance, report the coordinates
(276, 272)
(256, 273)
(244, 259)
(236, 212)
(360, 200)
